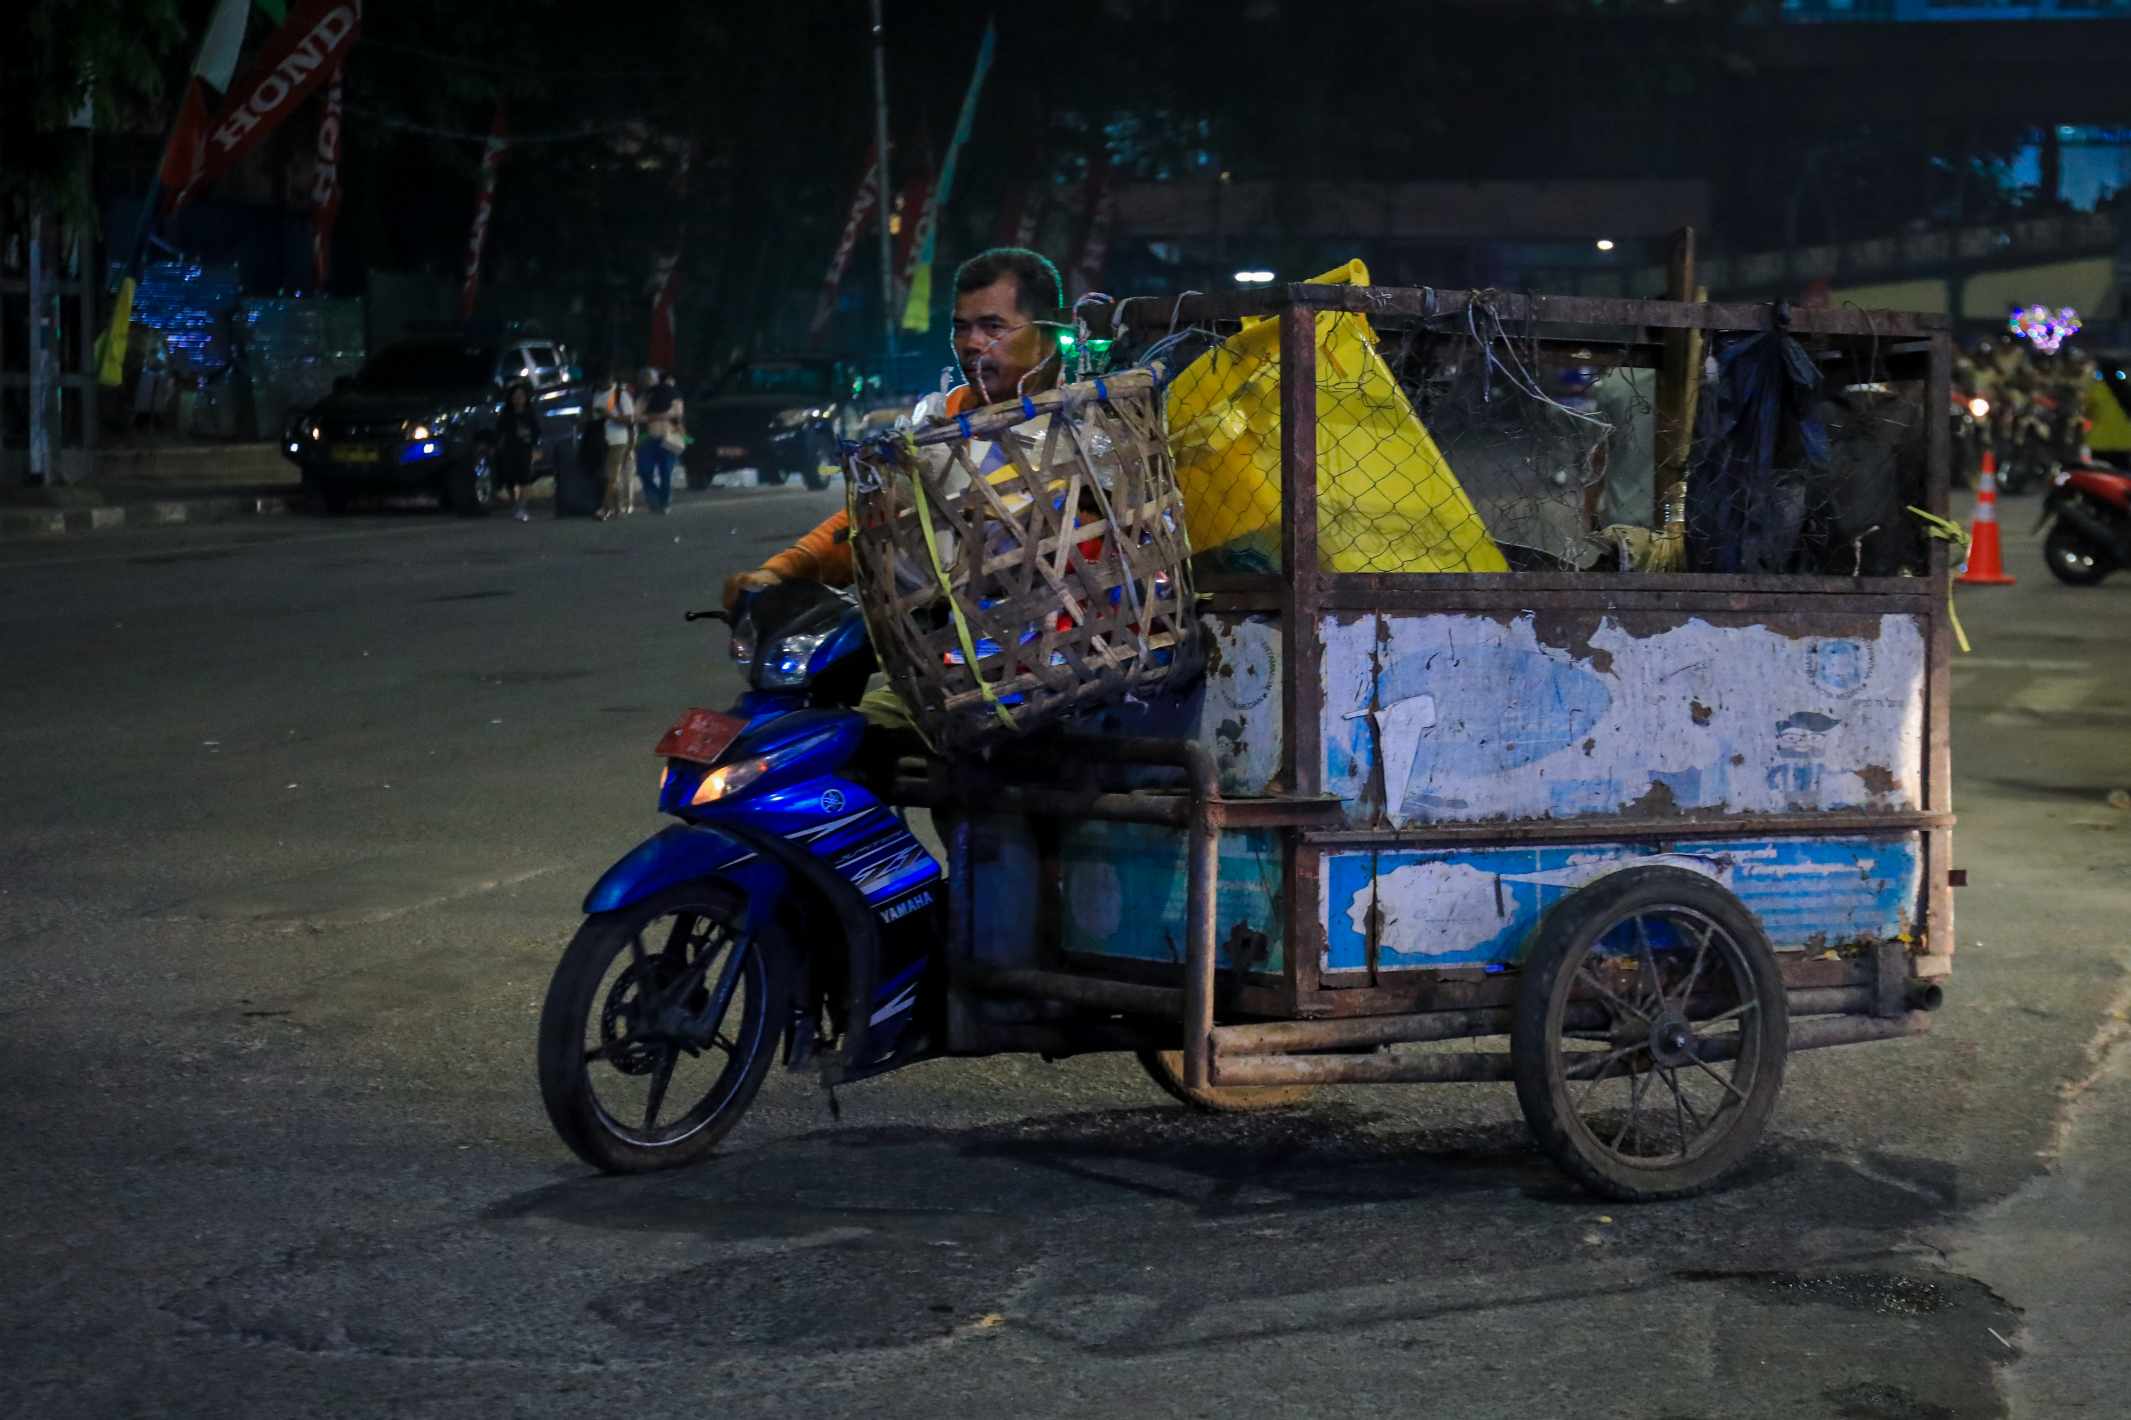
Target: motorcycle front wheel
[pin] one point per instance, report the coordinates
(659, 1025)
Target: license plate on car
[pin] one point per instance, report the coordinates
(700, 736)
(355, 455)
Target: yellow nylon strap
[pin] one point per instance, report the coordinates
(954, 607)
(1947, 530)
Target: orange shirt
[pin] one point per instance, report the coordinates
(824, 555)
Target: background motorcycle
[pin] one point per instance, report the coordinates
(2090, 513)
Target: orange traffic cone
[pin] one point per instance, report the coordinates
(1986, 556)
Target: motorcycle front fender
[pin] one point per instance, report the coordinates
(683, 853)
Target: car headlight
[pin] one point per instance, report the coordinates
(788, 658)
(418, 431)
(317, 432)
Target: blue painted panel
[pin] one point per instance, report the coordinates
(1124, 890)
(1465, 907)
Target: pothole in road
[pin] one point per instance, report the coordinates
(882, 1291)
(1882, 1293)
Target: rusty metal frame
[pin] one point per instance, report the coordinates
(1305, 591)
(1314, 1013)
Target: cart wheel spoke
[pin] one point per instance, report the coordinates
(1585, 1058)
(1694, 974)
(1702, 1027)
(1583, 974)
(1680, 1111)
(1633, 1123)
(1736, 1092)
(1647, 966)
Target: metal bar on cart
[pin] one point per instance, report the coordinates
(1480, 1067)
(1301, 647)
(1518, 307)
(1358, 1032)
(1599, 829)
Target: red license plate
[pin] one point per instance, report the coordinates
(700, 736)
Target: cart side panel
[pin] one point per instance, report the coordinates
(1234, 708)
(1478, 906)
(1443, 718)
(1123, 895)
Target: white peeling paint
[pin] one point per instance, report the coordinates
(1468, 718)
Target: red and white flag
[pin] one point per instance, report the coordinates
(484, 201)
(869, 191)
(325, 185)
(296, 61)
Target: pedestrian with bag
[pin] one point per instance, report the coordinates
(616, 409)
(660, 439)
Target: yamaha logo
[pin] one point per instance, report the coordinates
(832, 801)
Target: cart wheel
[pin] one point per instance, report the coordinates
(1649, 1036)
(1166, 1068)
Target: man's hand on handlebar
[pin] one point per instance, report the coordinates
(753, 581)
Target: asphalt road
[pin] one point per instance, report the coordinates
(295, 820)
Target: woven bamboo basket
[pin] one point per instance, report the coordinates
(1026, 561)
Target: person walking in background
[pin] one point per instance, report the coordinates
(617, 411)
(660, 439)
(517, 437)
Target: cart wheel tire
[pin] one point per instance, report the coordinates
(1166, 1068)
(1667, 988)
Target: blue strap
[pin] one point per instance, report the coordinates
(1028, 407)
(962, 420)
(1102, 391)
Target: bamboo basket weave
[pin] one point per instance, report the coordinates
(1004, 600)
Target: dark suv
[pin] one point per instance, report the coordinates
(420, 417)
(779, 415)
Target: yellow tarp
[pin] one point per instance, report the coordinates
(2111, 431)
(1386, 499)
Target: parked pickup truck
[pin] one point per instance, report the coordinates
(420, 417)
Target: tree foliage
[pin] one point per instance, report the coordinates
(107, 55)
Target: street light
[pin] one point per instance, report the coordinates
(1605, 243)
(1253, 278)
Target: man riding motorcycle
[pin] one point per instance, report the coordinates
(1009, 307)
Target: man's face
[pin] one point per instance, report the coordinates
(995, 341)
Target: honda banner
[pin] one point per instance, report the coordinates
(325, 186)
(297, 61)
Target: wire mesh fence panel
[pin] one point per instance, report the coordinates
(1463, 444)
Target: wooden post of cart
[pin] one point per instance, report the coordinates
(1678, 383)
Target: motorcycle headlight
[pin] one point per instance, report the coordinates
(418, 431)
(317, 432)
(1979, 407)
(787, 659)
(728, 779)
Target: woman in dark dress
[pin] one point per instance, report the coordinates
(517, 437)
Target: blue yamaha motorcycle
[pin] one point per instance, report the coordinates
(788, 906)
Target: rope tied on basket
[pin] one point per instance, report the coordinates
(954, 605)
(1947, 530)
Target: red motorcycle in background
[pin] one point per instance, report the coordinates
(2089, 510)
